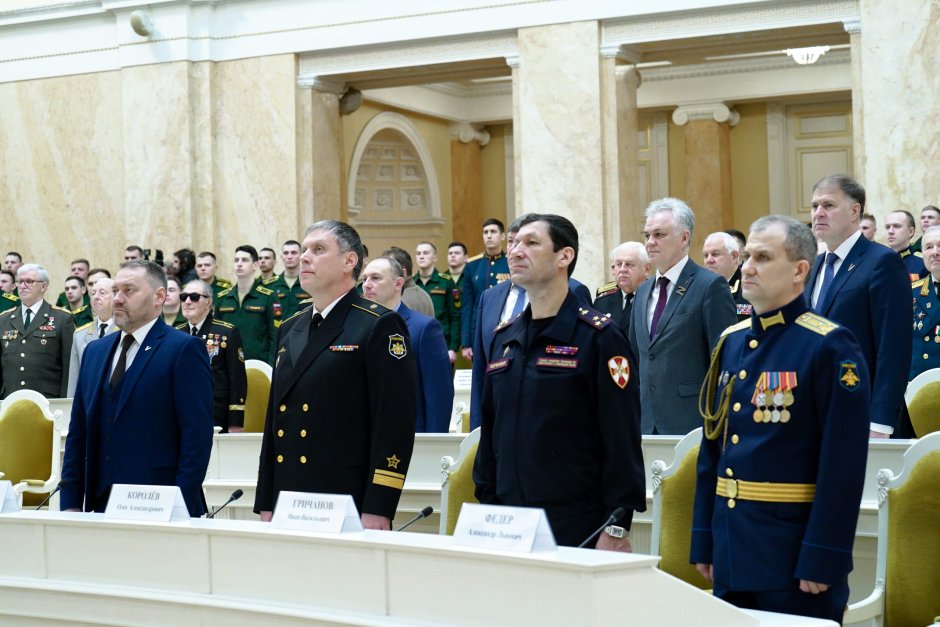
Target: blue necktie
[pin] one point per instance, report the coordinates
(828, 274)
(520, 302)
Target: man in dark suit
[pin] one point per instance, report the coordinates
(864, 286)
(721, 253)
(35, 339)
(223, 343)
(678, 316)
(341, 414)
(383, 280)
(630, 266)
(142, 412)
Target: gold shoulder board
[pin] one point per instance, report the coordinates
(816, 323)
(740, 326)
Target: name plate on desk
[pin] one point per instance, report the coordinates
(8, 501)
(522, 529)
(309, 511)
(462, 379)
(156, 503)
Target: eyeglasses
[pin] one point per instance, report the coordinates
(194, 297)
(28, 282)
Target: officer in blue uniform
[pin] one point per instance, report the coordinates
(481, 273)
(561, 406)
(926, 321)
(782, 461)
(900, 230)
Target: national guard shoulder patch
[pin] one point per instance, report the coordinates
(816, 323)
(396, 346)
(619, 367)
(848, 375)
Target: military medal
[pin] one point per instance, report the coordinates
(785, 415)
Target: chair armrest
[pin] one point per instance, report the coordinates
(866, 609)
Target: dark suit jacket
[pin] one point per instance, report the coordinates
(435, 383)
(341, 414)
(163, 418)
(871, 296)
(492, 302)
(673, 363)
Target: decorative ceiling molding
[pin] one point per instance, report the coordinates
(737, 66)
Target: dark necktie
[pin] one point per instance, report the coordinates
(194, 330)
(627, 299)
(520, 301)
(660, 305)
(29, 317)
(121, 366)
(104, 327)
(828, 274)
(317, 319)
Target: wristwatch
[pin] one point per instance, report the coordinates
(616, 532)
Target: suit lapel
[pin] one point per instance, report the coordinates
(641, 303)
(307, 350)
(811, 284)
(144, 354)
(16, 316)
(851, 262)
(101, 371)
(678, 292)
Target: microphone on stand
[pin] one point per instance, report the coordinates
(237, 494)
(51, 494)
(424, 513)
(614, 517)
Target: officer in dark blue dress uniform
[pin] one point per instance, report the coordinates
(561, 416)
(481, 273)
(782, 461)
(900, 228)
(926, 321)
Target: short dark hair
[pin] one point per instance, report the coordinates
(206, 253)
(269, 249)
(431, 244)
(401, 256)
(84, 261)
(103, 271)
(868, 216)
(135, 248)
(461, 244)
(9, 274)
(248, 248)
(186, 258)
(930, 208)
(347, 238)
(81, 281)
(497, 223)
(292, 242)
(365, 250)
(738, 235)
(154, 272)
(15, 254)
(910, 218)
(561, 231)
(849, 186)
(516, 224)
(175, 279)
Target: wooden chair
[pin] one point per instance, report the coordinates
(907, 570)
(30, 444)
(923, 402)
(259, 375)
(673, 501)
(457, 485)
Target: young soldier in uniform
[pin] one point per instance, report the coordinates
(481, 273)
(782, 460)
(76, 298)
(206, 269)
(286, 287)
(250, 307)
(441, 289)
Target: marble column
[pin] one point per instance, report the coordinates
(467, 182)
(558, 128)
(854, 29)
(707, 128)
(327, 173)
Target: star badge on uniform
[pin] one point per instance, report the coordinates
(392, 461)
(619, 368)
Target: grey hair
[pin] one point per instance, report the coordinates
(33, 267)
(393, 265)
(203, 287)
(636, 247)
(730, 242)
(155, 274)
(347, 238)
(682, 214)
(932, 229)
(800, 244)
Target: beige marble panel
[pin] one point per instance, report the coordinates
(900, 110)
(329, 183)
(61, 175)
(560, 129)
(254, 160)
(622, 213)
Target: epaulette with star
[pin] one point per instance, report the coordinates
(223, 323)
(368, 306)
(607, 288)
(738, 326)
(816, 323)
(263, 290)
(595, 319)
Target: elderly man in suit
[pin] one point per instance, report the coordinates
(103, 324)
(382, 281)
(864, 286)
(678, 316)
(142, 412)
(35, 339)
(630, 266)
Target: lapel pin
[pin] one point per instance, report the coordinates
(851, 265)
(146, 348)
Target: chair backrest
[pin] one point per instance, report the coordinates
(909, 536)
(673, 501)
(26, 441)
(259, 388)
(457, 485)
(923, 402)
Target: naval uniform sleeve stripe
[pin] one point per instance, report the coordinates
(389, 473)
(389, 482)
(236, 408)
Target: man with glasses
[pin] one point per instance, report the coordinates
(224, 345)
(35, 339)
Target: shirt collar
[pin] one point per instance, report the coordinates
(140, 334)
(34, 308)
(843, 250)
(326, 310)
(673, 273)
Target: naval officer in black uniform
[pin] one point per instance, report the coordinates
(341, 415)
(782, 460)
(630, 266)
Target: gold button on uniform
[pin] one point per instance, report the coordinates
(736, 407)
(280, 458)
(283, 408)
(735, 439)
(306, 407)
(303, 433)
(280, 433)
(926, 356)
(729, 472)
(742, 375)
(752, 343)
(731, 503)
(303, 459)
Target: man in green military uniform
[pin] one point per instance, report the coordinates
(286, 286)
(79, 268)
(250, 307)
(76, 299)
(205, 270)
(35, 339)
(441, 289)
(8, 301)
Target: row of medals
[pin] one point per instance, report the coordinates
(777, 412)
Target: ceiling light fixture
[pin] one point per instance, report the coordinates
(807, 56)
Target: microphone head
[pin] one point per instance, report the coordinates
(427, 511)
(617, 515)
(237, 494)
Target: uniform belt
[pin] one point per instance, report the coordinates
(765, 491)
